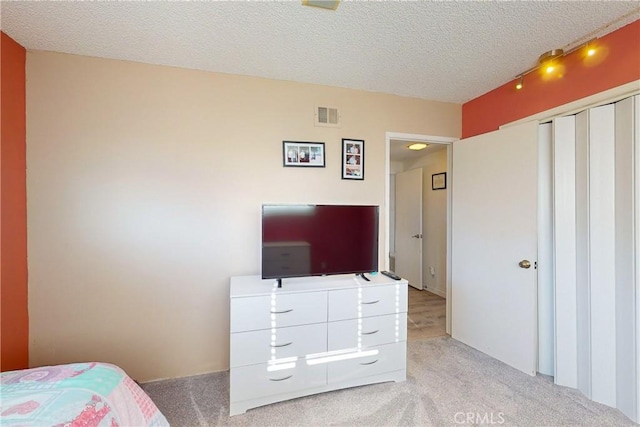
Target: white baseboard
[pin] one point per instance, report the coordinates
(440, 292)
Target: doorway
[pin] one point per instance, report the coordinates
(429, 237)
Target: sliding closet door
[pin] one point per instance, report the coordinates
(596, 252)
(626, 287)
(546, 311)
(564, 220)
(583, 333)
(602, 249)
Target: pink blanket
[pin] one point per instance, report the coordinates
(80, 394)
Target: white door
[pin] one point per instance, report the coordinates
(494, 227)
(409, 226)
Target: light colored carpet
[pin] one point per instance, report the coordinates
(448, 384)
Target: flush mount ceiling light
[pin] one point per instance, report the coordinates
(323, 4)
(417, 146)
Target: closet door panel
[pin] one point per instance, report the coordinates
(602, 250)
(564, 219)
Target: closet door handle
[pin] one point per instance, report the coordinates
(370, 363)
(370, 333)
(280, 379)
(281, 345)
(371, 302)
(282, 312)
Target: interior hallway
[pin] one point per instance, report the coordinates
(427, 315)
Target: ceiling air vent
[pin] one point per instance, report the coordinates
(327, 116)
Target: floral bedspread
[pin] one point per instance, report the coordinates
(80, 394)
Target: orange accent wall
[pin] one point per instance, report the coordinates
(14, 315)
(616, 63)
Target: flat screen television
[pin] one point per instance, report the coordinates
(313, 240)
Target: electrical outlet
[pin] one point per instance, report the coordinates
(432, 271)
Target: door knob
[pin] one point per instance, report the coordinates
(417, 236)
(525, 263)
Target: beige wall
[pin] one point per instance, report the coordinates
(144, 193)
(434, 221)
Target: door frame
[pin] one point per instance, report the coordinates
(430, 139)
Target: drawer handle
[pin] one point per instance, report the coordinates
(372, 302)
(282, 312)
(282, 379)
(369, 333)
(281, 345)
(370, 363)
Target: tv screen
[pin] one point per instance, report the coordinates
(312, 240)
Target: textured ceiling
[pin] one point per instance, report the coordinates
(448, 51)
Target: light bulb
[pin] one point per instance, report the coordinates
(550, 69)
(591, 48)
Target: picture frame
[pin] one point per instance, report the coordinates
(439, 181)
(352, 159)
(303, 154)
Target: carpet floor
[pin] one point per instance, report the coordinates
(448, 384)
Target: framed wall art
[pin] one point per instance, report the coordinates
(439, 181)
(303, 154)
(353, 159)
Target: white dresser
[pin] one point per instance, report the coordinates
(314, 334)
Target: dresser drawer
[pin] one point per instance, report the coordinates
(367, 301)
(251, 382)
(265, 312)
(389, 357)
(250, 348)
(368, 332)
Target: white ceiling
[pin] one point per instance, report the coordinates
(448, 51)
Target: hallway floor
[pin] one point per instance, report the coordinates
(427, 315)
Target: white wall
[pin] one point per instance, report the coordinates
(434, 221)
(144, 191)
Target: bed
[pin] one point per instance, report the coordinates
(79, 394)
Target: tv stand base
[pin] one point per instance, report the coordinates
(363, 276)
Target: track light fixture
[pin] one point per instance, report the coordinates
(322, 4)
(549, 62)
(550, 56)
